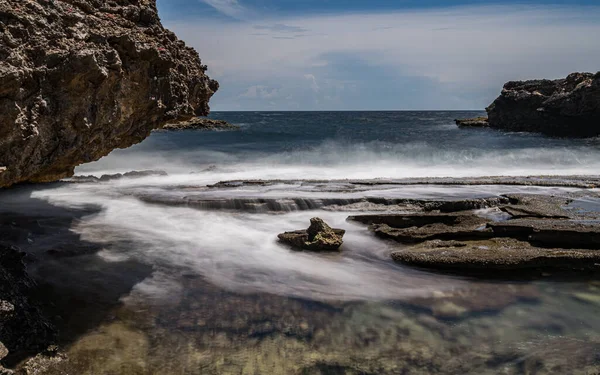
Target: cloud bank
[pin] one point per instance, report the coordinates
(454, 58)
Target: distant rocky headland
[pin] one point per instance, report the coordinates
(81, 78)
(568, 107)
(199, 123)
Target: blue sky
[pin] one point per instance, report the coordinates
(370, 55)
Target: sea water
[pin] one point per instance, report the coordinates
(170, 274)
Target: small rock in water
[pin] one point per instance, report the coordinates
(473, 122)
(591, 298)
(318, 237)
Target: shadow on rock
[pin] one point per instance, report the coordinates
(59, 287)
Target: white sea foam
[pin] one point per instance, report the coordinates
(339, 160)
(239, 251)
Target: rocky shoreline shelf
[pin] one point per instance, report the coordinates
(199, 123)
(509, 237)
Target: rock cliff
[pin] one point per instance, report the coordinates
(79, 78)
(563, 107)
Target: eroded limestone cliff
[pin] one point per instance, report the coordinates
(79, 78)
(565, 107)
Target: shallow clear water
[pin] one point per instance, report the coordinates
(171, 276)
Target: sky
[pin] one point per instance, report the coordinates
(381, 55)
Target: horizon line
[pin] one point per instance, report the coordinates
(348, 110)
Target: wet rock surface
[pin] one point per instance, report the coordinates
(539, 234)
(586, 182)
(113, 321)
(568, 107)
(478, 122)
(497, 254)
(117, 176)
(318, 237)
(81, 78)
(24, 329)
(199, 123)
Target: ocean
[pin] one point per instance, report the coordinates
(355, 145)
(182, 274)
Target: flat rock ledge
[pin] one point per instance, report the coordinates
(477, 122)
(200, 124)
(318, 237)
(533, 234)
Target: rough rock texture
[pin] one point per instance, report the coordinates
(537, 233)
(496, 254)
(417, 228)
(23, 327)
(479, 122)
(117, 176)
(199, 123)
(79, 78)
(565, 107)
(318, 237)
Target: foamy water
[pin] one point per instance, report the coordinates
(238, 250)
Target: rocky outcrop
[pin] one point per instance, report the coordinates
(318, 237)
(199, 123)
(535, 233)
(477, 122)
(118, 176)
(567, 107)
(79, 78)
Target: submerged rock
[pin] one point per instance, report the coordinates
(567, 107)
(474, 299)
(479, 122)
(81, 78)
(318, 237)
(23, 327)
(199, 123)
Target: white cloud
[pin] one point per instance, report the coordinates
(450, 45)
(313, 82)
(231, 8)
(473, 48)
(260, 92)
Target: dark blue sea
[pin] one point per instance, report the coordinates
(358, 145)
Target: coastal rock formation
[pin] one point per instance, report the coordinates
(80, 78)
(318, 237)
(567, 107)
(536, 234)
(498, 254)
(198, 123)
(477, 122)
(117, 176)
